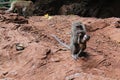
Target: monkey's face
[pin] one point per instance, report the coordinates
(79, 27)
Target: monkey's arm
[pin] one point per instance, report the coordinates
(63, 44)
(85, 38)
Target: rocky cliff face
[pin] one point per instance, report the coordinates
(87, 8)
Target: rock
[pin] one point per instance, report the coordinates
(70, 9)
(115, 37)
(19, 47)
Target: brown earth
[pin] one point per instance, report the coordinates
(42, 58)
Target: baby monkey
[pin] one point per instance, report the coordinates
(78, 39)
(23, 7)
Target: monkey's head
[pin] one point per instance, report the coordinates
(78, 25)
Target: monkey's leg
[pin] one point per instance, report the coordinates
(24, 11)
(30, 12)
(82, 48)
(19, 11)
(74, 50)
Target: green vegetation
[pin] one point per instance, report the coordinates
(5, 5)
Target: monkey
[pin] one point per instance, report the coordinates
(78, 39)
(9, 2)
(23, 7)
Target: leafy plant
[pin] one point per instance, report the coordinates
(4, 5)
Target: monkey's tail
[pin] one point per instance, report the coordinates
(63, 44)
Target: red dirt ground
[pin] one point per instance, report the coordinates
(44, 59)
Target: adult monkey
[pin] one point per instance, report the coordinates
(23, 7)
(78, 39)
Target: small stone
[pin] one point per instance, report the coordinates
(5, 73)
(55, 60)
(115, 37)
(106, 64)
(19, 47)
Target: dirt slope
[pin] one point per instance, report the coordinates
(42, 58)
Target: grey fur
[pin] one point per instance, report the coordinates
(78, 39)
